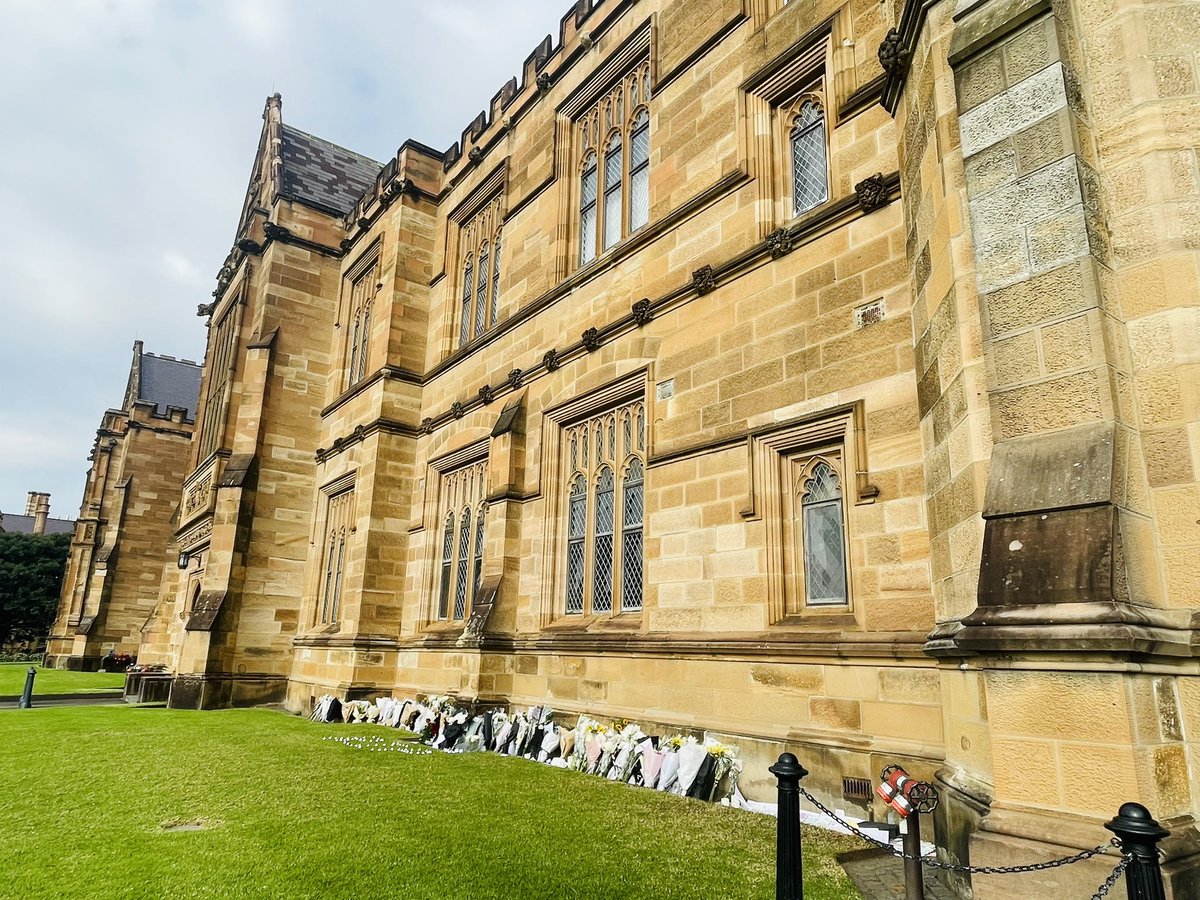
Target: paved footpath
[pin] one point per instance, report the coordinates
(881, 877)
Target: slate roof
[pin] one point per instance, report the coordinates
(322, 174)
(14, 524)
(166, 381)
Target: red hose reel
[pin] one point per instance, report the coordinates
(905, 794)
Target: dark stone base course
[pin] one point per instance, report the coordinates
(147, 687)
(72, 663)
(223, 691)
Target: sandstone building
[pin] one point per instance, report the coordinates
(37, 518)
(823, 374)
(125, 521)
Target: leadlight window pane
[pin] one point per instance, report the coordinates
(631, 538)
(362, 352)
(447, 567)
(327, 594)
(639, 198)
(478, 579)
(810, 171)
(464, 553)
(576, 531)
(495, 312)
(481, 292)
(587, 211)
(639, 172)
(631, 570)
(354, 346)
(337, 580)
(613, 174)
(603, 568)
(824, 539)
(464, 334)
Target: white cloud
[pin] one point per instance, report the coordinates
(129, 131)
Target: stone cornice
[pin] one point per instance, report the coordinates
(362, 432)
(906, 647)
(871, 194)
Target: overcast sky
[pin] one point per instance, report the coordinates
(127, 132)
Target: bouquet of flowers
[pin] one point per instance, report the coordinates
(728, 768)
(691, 757)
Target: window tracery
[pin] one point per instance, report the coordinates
(805, 122)
(338, 529)
(479, 249)
(460, 561)
(363, 286)
(614, 164)
(605, 460)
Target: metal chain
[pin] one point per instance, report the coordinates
(975, 870)
(1111, 880)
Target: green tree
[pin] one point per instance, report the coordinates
(31, 574)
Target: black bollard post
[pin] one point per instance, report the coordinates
(789, 866)
(1139, 835)
(26, 700)
(914, 878)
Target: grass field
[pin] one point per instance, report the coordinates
(56, 681)
(85, 794)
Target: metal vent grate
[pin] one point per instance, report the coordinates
(856, 789)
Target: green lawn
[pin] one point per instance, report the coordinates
(85, 793)
(56, 681)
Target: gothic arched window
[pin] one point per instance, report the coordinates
(587, 210)
(602, 581)
(613, 147)
(464, 333)
(335, 606)
(464, 556)
(631, 536)
(614, 183)
(810, 168)
(364, 337)
(576, 533)
(477, 580)
(363, 284)
(639, 171)
(824, 537)
(496, 281)
(338, 529)
(483, 282)
(447, 567)
(604, 525)
(459, 565)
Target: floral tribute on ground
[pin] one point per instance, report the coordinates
(619, 751)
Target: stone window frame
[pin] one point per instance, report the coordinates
(607, 105)
(460, 488)
(837, 435)
(787, 117)
(627, 392)
(771, 98)
(361, 286)
(337, 527)
(220, 370)
(480, 245)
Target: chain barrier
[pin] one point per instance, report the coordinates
(978, 870)
(1111, 880)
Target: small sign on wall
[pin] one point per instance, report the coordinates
(665, 390)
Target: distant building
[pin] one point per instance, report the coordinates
(127, 514)
(36, 520)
